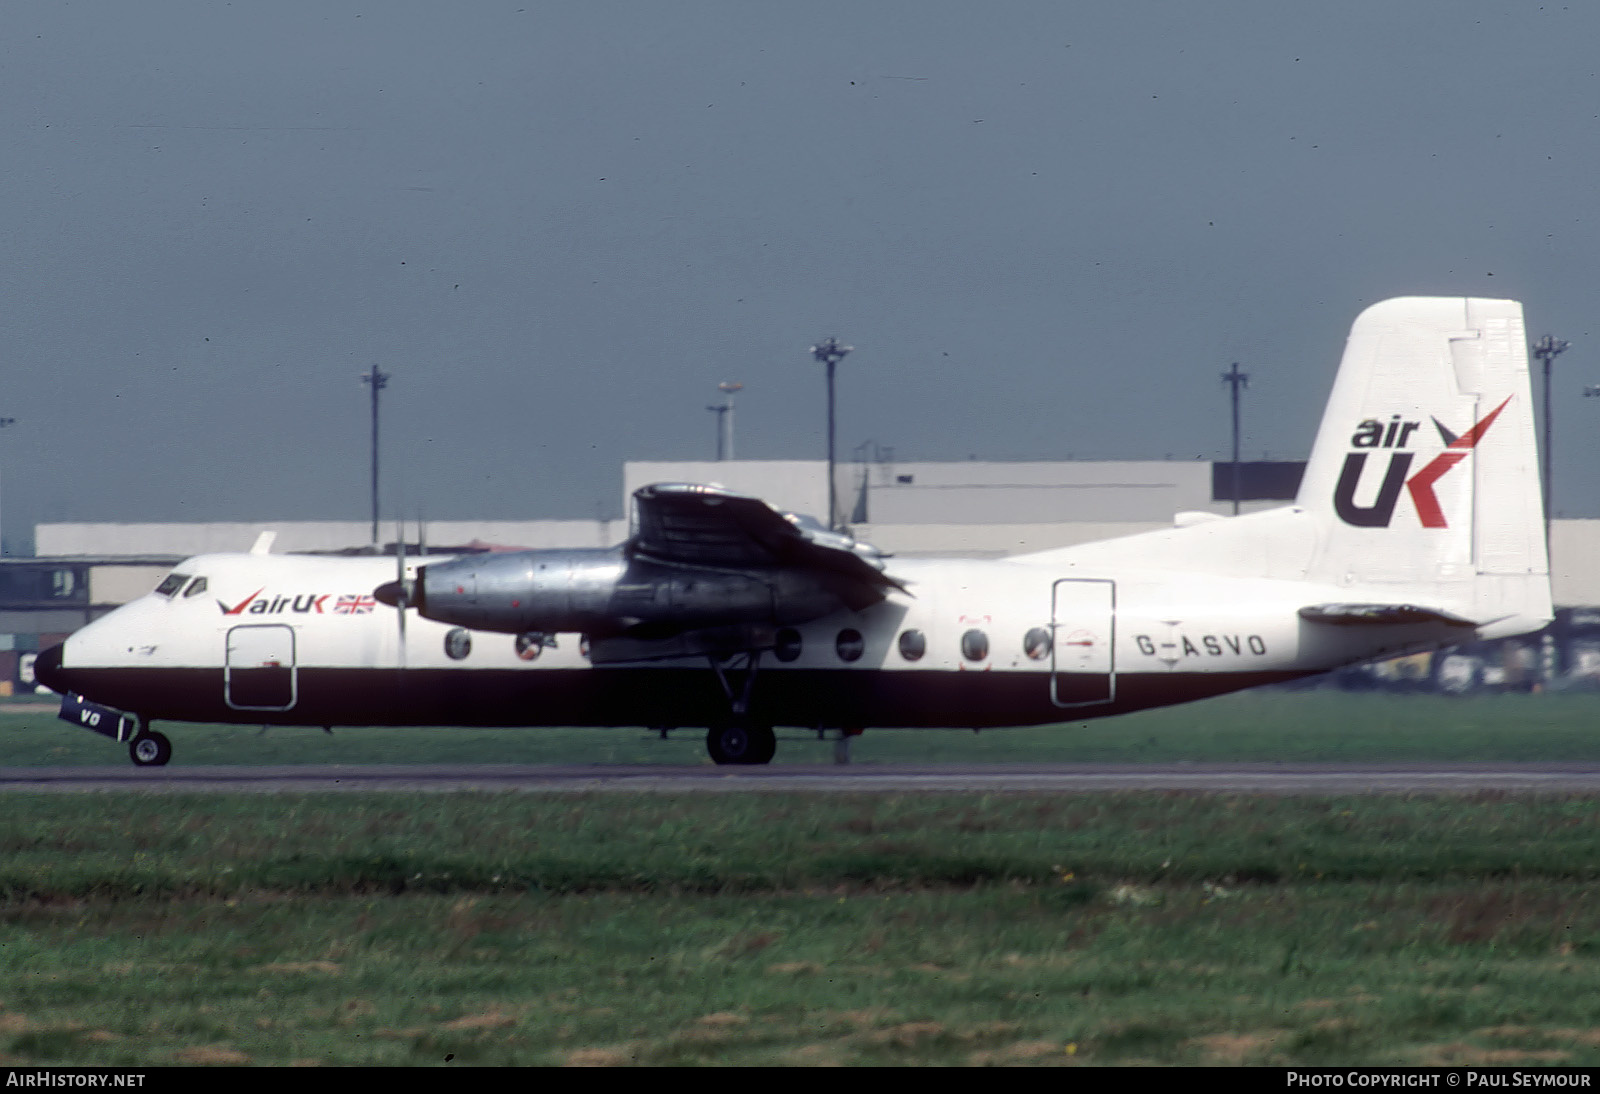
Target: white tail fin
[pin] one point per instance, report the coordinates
(1422, 488)
(1425, 467)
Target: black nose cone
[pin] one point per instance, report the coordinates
(401, 594)
(390, 593)
(47, 669)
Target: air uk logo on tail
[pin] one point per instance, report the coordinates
(1395, 435)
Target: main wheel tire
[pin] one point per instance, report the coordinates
(737, 743)
(150, 749)
(766, 744)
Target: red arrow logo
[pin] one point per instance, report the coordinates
(241, 605)
(1421, 484)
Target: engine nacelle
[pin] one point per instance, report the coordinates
(604, 592)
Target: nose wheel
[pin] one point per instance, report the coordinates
(150, 749)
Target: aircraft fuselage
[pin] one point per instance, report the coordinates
(976, 643)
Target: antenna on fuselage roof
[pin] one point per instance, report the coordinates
(263, 544)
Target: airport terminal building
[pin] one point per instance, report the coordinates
(974, 508)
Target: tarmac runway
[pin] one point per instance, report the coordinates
(1255, 778)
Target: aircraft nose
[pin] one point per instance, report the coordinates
(47, 669)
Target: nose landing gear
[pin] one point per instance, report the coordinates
(146, 747)
(149, 748)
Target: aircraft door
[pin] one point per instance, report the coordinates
(259, 673)
(1083, 669)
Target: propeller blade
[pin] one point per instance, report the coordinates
(404, 596)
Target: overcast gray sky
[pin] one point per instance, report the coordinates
(1047, 228)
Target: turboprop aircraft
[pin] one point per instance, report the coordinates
(1417, 525)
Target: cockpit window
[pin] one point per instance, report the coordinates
(196, 587)
(172, 583)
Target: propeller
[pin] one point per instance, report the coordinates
(400, 580)
(399, 593)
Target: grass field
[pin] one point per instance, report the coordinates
(812, 929)
(1266, 725)
(520, 929)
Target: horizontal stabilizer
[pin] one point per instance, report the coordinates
(1380, 615)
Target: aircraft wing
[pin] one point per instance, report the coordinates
(688, 524)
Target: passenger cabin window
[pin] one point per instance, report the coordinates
(974, 645)
(171, 584)
(1036, 643)
(786, 645)
(849, 644)
(913, 644)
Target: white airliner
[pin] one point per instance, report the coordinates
(1418, 524)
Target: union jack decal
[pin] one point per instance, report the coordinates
(354, 605)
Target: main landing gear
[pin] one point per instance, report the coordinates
(739, 739)
(741, 743)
